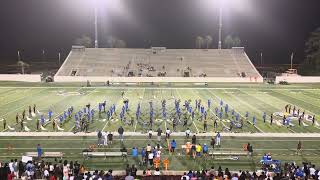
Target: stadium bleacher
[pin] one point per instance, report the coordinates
(157, 62)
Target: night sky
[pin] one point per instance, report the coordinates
(274, 27)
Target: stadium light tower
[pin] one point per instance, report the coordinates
(220, 25)
(95, 27)
(96, 45)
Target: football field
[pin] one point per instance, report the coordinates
(241, 98)
(254, 99)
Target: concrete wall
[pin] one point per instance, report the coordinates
(21, 77)
(298, 79)
(154, 79)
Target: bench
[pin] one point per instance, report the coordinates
(228, 153)
(104, 154)
(232, 154)
(45, 154)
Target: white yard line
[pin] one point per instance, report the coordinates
(218, 98)
(134, 87)
(105, 126)
(104, 148)
(177, 139)
(194, 109)
(135, 126)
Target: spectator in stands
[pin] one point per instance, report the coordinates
(133, 170)
(157, 172)
(128, 170)
(185, 176)
(148, 172)
(121, 131)
(173, 145)
(129, 177)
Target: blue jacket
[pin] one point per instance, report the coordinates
(173, 144)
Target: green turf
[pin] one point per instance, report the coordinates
(254, 98)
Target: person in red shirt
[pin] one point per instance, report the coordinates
(11, 176)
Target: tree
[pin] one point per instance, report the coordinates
(22, 65)
(84, 40)
(120, 44)
(228, 42)
(236, 42)
(208, 41)
(311, 64)
(199, 42)
(111, 41)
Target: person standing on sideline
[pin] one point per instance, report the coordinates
(150, 133)
(121, 131)
(299, 147)
(159, 132)
(99, 138)
(218, 139)
(4, 123)
(250, 150)
(168, 132)
(110, 137)
(39, 151)
(213, 142)
(188, 132)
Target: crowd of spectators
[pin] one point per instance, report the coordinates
(60, 170)
(68, 170)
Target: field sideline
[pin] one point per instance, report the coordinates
(281, 149)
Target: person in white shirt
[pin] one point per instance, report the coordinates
(185, 176)
(168, 132)
(158, 154)
(312, 170)
(11, 166)
(150, 157)
(46, 173)
(188, 132)
(157, 172)
(105, 138)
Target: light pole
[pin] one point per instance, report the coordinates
(59, 58)
(96, 25)
(220, 26)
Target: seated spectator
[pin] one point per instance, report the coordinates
(157, 172)
(148, 172)
(185, 176)
(129, 177)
